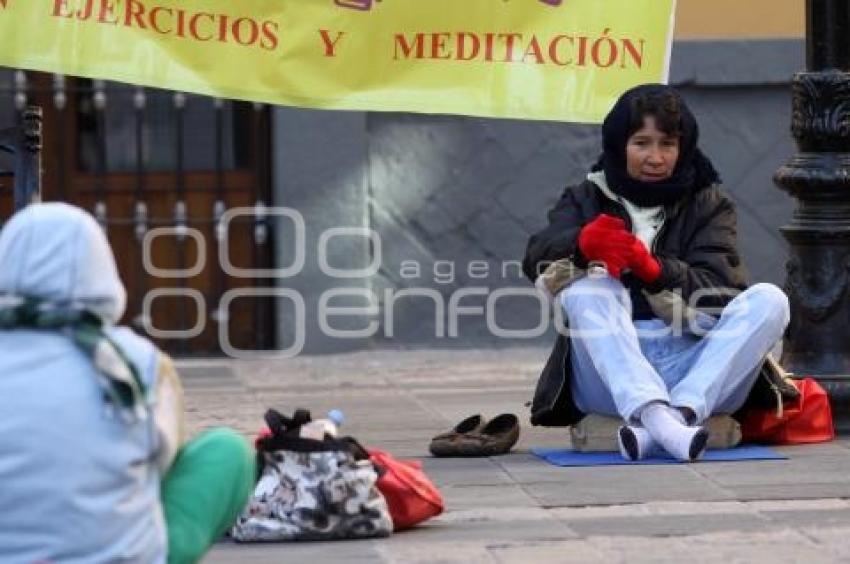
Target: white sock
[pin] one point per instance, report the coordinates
(635, 442)
(679, 413)
(665, 425)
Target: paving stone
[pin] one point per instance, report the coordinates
(412, 552)
(668, 525)
(836, 448)
(454, 406)
(557, 552)
(465, 471)
(654, 508)
(632, 511)
(491, 497)
(373, 410)
(831, 539)
(699, 508)
(812, 470)
(617, 485)
(775, 546)
(507, 512)
(527, 468)
(797, 504)
(487, 529)
(359, 551)
(843, 442)
(790, 491)
(205, 373)
(810, 518)
(417, 437)
(412, 450)
(489, 378)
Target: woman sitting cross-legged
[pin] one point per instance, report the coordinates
(652, 218)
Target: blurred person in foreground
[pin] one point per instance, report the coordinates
(92, 462)
(668, 332)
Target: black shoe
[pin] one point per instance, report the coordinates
(698, 444)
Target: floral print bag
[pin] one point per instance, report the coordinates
(311, 490)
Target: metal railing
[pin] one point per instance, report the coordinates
(23, 142)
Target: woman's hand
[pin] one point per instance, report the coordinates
(642, 264)
(605, 239)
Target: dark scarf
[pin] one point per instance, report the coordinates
(693, 169)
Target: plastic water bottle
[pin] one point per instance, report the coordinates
(318, 429)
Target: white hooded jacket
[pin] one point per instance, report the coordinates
(79, 484)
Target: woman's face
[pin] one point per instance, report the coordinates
(651, 154)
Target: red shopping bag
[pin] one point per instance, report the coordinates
(807, 420)
(410, 495)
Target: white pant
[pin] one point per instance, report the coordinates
(620, 365)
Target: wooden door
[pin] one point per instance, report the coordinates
(160, 170)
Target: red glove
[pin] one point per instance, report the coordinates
(642, 264)
(605, 239)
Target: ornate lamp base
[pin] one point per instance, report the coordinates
(818, 284)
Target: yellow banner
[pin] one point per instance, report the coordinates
(564, 60)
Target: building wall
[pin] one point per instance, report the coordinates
(453, 199)
(736, 19)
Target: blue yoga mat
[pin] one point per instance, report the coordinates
(567, 457)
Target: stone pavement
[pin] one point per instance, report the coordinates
(516, 508)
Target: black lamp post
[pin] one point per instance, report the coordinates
(818, 176)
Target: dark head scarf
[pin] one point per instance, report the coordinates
(693, 169)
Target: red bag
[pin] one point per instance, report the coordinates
(410, 495)
(807, 420)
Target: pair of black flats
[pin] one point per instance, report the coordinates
(475, 436)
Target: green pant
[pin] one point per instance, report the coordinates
(205, 490)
